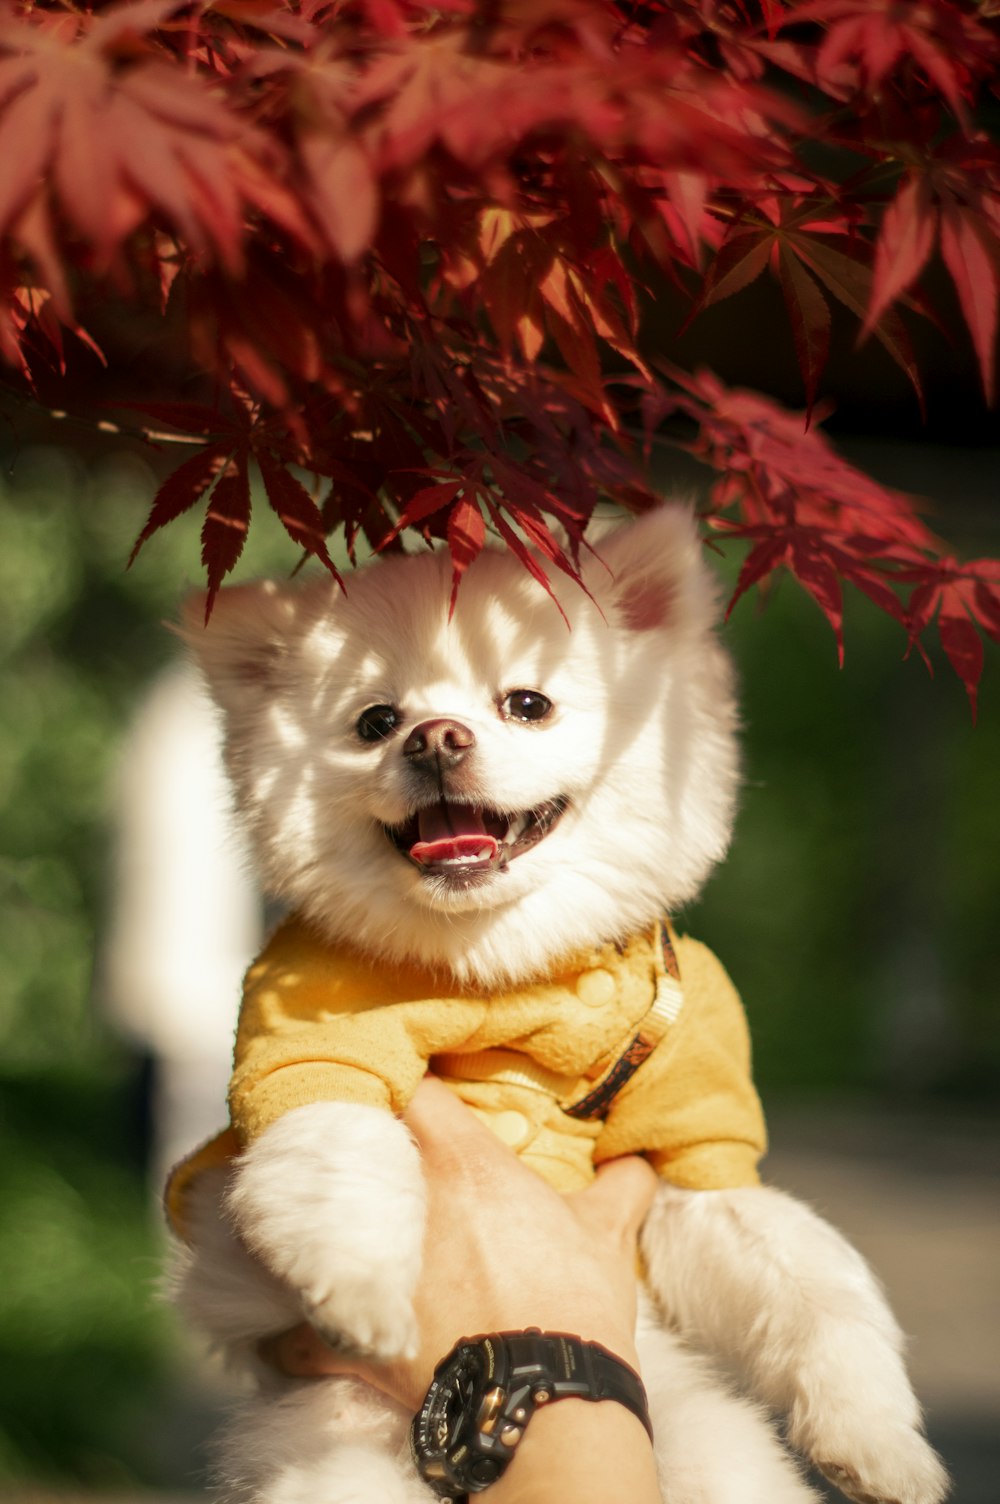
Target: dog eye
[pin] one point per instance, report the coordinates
(526, 705)
(375, 723)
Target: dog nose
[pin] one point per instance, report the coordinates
(441, 742)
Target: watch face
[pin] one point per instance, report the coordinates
(452, 1406)
(445, 1421)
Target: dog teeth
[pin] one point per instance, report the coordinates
(516, 828)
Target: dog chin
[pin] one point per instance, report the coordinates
(460, 890)
(464, 893)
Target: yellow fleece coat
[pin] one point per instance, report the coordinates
(320, 1023)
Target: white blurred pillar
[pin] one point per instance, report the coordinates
(185, 920)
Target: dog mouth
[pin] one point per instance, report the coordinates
(457, 841)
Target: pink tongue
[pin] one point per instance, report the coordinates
(452, 833)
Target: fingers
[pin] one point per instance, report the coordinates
(302, 1353)
(434, 1113)
(457, 1149)
(437, 1118)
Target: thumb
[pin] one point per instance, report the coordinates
(617, 1200)
(452, 1140)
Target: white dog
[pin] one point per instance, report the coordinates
(467, 814)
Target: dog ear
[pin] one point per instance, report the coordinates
(654, 576)
(240, 648)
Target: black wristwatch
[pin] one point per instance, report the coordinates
(484, 1393)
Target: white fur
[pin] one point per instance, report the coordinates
(324, 1213)
(776, 1293)
(641, 742)
(331, 1199)
(328, 1440)
(713, 1446)
(224, 1290)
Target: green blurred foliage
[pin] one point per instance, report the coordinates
(857, 912)
(858, 905)
(87, 1354)
(86, 1349)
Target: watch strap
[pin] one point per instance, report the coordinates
(577, 1369)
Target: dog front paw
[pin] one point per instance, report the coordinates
(899, 1469)
(331, 1198)
(366, 1317)
(856, 1418)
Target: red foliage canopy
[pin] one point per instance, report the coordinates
(402, 246)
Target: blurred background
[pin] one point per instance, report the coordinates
(858, 912)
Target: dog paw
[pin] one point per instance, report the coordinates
(331, 1198)
(367, 1321)
(900, 1470)
(849, 1483)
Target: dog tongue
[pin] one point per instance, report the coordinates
(452, 833)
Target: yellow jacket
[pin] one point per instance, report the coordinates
(320, 1023)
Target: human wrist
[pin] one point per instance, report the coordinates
(590, 1453)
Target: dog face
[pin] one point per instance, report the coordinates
(484, 793)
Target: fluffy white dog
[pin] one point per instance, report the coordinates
(480, 821)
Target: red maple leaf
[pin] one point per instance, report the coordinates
(969, 249)
(34, 321)
(220, 474)
(411, 249)
(808, 249)
(803, 508)
(949, 196)
(946, 42)
(962, 597)
(99, 129)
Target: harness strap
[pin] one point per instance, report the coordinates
(664, 1010)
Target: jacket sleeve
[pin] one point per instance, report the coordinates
(316, 1025)
(692, 1108)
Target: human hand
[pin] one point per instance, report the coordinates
(505, 1252)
